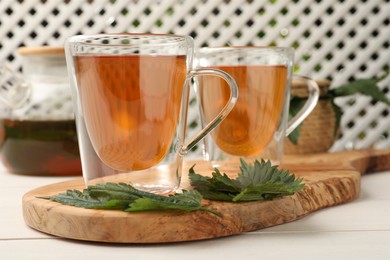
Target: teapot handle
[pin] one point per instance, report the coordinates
(14, 89)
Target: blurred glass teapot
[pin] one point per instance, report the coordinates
(37, 126)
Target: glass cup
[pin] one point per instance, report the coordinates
(257, 125)
(130, 94)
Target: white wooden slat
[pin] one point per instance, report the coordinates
(271, 10)
(193, 21)
(362, 57)
(353, 44)
(103, 22)
(45, 33)
(317, 33)
(372, 113)
(382, 143)
(372, 137)
(156, 12)
(13, 19)
(79, 22)
(206, 33)
(237, 23)
(375, 68)
(4, 5)
(196, 19)
(331, 45)
(119, 16)
(317, 11)
(352, 113)
(360, 125)
(31, 23)
(170, 22)
(306, 23)
(135, 11)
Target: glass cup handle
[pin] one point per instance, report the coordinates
(222, 114)
(310, 104)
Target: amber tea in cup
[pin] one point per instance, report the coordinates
(142, 114)
(257, 125)
(250, 126)
(131, 98)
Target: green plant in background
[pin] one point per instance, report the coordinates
(367, 87)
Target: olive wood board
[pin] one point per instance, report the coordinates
(330, 179)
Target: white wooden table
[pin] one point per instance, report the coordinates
(356, 230)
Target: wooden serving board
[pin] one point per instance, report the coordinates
(330, 179)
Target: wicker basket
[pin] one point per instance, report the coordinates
(317, 130)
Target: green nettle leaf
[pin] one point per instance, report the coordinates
(187, 201)
(260, 181)
(122, 196)
(76, 198)
(367, 87)
(207, 186)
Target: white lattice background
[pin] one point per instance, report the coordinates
(338, 40)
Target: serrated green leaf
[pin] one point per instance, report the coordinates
(219, 181)
(187, 201)
(85, 200)
(121, 196)
(264, 191)
(118, 191)
(365, 87)
(258, 173)
(217, 195)
(260, 181)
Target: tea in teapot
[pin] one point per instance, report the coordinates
(37, 126)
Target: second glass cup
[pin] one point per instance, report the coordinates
(257, 126)
(130, 94)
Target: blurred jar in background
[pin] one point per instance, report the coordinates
(37, 121)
